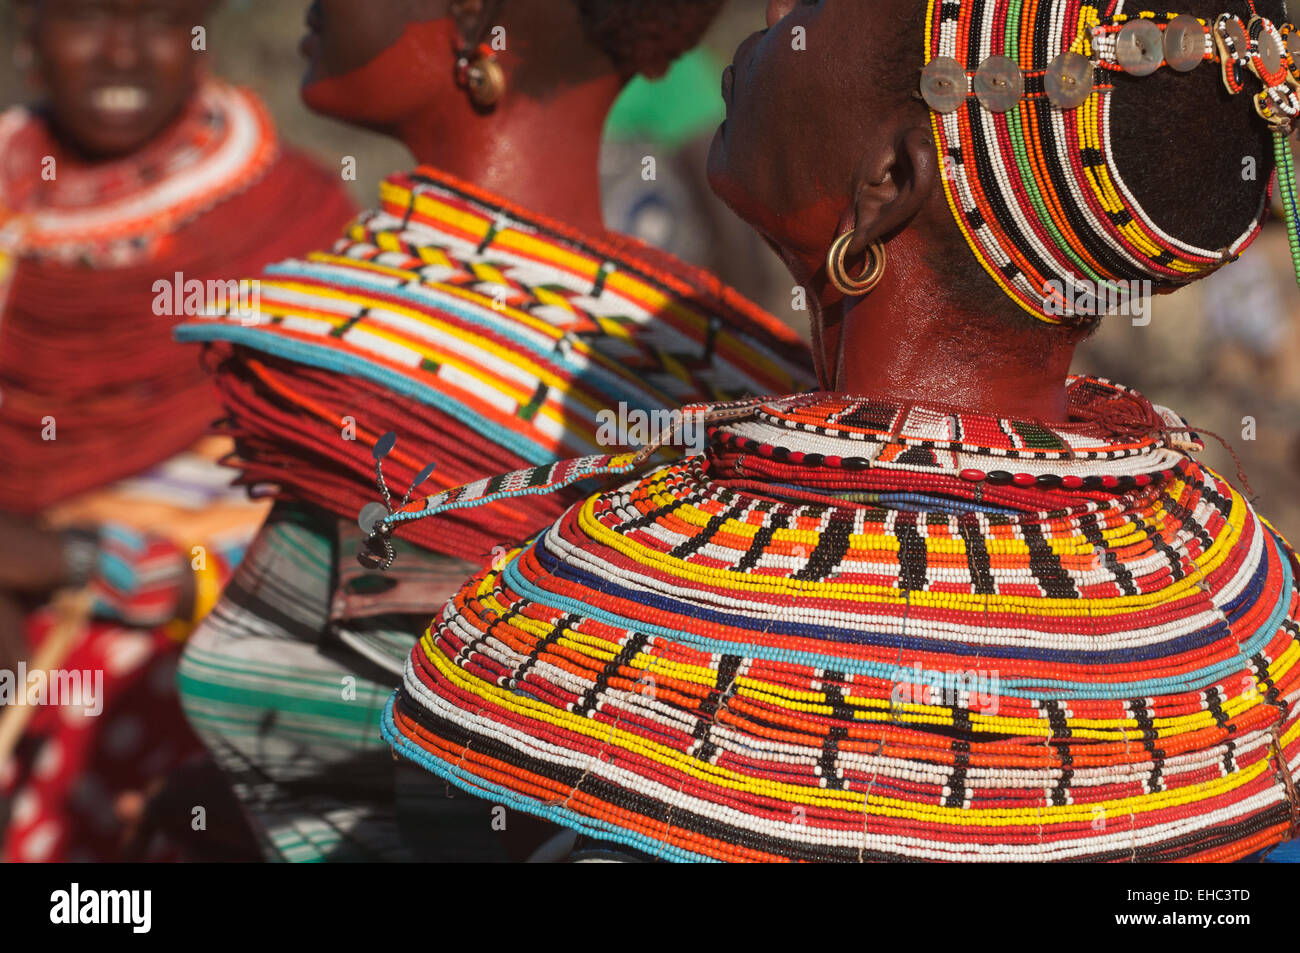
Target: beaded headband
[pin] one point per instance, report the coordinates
(1019, 92)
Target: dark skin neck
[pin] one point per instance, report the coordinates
(544, 155)
(908, 341)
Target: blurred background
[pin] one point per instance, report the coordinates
(1225, 353)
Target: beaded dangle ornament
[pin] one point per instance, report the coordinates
(1020, 96)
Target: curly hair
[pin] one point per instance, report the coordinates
(645, 36)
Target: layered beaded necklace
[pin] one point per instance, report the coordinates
(1020, 95)
(784, 650)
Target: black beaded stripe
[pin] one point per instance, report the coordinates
(778, 518)
(711, 343)
(977, 554)
(911, 551)
(1189, 522)
(1146, 723)
(1271, 694)
(470, 647)
(540, 477)
(566, 621)
(1091, 157)
(711, 528)
(495, 483)
(1171, 555)
(1214, 702)
(869, 415)
(1046, 565)
(830, 750)
(728, 666)
(652, 517)
(631, 649)
(1060, 793)
(1091, 532)
(831, 548)
(1216, 499)
(1055, 711)
(961, 762)
(1230, 757)
(348, 323)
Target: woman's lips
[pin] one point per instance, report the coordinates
(728, 83)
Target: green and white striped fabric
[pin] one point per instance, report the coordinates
(285, 681)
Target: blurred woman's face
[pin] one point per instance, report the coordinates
(801, 105)
(115, 73)
(376, 63)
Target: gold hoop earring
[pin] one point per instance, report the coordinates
(839, 273)
(482, 76)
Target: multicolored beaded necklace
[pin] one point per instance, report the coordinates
(751, 656)
(119, 213)
(493, 337)
(1020, 99)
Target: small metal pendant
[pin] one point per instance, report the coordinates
(486, 81)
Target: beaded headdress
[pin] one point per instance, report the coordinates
(1019, 92)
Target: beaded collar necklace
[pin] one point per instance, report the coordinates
(1115, 442)
(699, 671)
(1020, 98)
(118, 212)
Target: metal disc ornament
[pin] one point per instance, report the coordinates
(1068, 80)
(1139, 47)
(999, 84)
(944, 86)
(1184, 43)
(371, 514)
(384, 445)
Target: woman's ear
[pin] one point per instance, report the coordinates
(893, 185)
